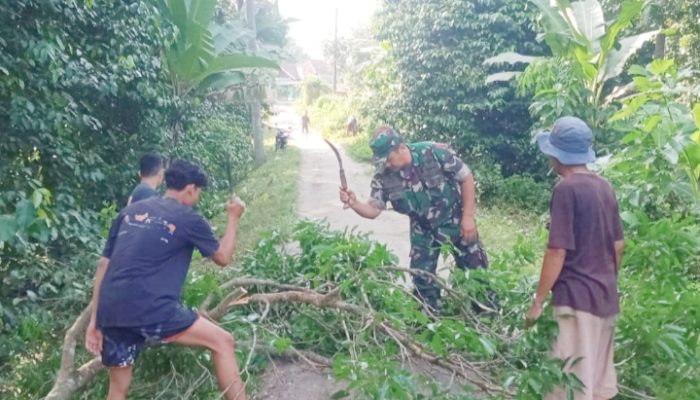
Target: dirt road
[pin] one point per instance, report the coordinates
(318, 199)
(319, 183)
(318, 196)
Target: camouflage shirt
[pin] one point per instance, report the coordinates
(428, 190)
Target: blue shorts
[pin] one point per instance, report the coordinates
(122, 345)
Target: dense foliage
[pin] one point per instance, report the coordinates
(311, 89)
(83, 94)
(85, 90)
(437, 49)
(652, 138)
(217, 139)
(656, 168)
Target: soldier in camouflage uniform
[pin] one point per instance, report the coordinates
(430, 184)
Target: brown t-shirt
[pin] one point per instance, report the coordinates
(585, 220)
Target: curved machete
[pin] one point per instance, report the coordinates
(343, 181)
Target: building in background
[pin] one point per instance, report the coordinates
(292, 74)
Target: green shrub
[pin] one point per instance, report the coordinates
(659, 325)
(329, 114)
(359, 148)
(517, 190)
(216, 136)
(311, 89)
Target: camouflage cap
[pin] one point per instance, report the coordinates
(386, 141)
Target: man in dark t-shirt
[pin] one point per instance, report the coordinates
(139, 280)
(581, 262)
(151, 174)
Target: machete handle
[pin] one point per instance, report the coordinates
(343, 181)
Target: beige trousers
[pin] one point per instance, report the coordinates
(591, 338)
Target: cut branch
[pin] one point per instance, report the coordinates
(70, 379)
(220, 310)
(247, 281)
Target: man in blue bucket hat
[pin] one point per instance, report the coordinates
(581, 262)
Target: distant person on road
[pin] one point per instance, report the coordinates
(151, 173)
(139, 280)
(581, 262)
(435, 188)
(282, 137)
(305, 121)
(352, 126)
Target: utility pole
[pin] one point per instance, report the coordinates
(253, 95)
(335, 54)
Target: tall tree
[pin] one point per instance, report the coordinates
(585, 47)
(204, 56)
(680, 38)
(438, 92)
(256, 125)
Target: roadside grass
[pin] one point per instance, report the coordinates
(356, 146)
(501, 227)
(270, 194)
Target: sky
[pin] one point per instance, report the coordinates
(315, 20)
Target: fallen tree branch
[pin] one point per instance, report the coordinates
(70, 379)
(625, 390)
(71, 339)
(329, 300)
(440, 282)
(417, 349)
(311, 358)
(220, 309)
(248, 281)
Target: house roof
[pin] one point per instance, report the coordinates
(297, 72)
(289, 70)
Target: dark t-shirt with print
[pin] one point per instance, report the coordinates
(150, 247)
(142, 191)
(585, 221)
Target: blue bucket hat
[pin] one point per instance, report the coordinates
(569, 142)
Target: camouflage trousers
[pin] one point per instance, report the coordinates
(426, 245)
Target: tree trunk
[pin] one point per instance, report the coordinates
(255, 123)
(660, 48)
(257, 131)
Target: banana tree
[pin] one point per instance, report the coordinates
(204, 49)
(578, 33)
(206, 56)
